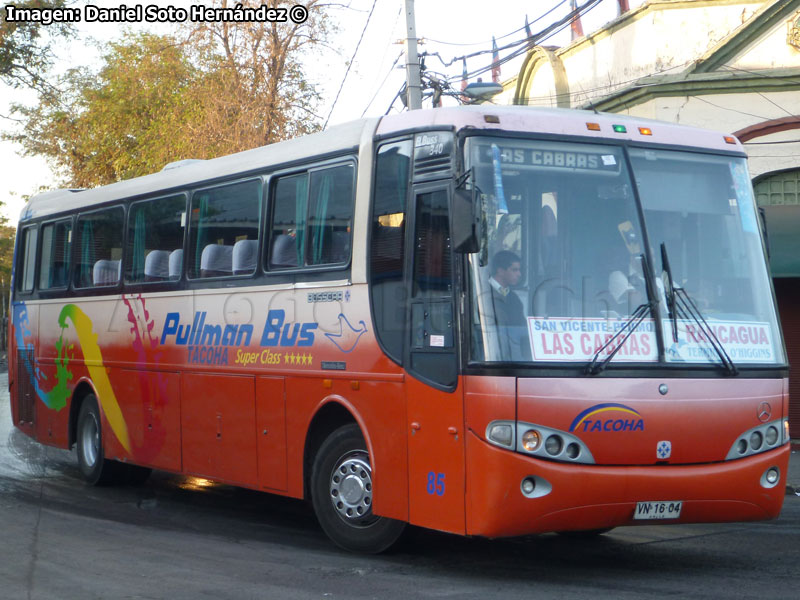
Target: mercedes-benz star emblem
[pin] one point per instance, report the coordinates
(764, 412)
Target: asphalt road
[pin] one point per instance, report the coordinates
(178, 537)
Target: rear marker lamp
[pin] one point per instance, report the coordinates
(645, 131)
(531, 440)
(729, 139)
(593, 126)
(620, 129)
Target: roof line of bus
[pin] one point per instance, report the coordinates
(347, 136)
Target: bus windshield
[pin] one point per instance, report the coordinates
(564, 263)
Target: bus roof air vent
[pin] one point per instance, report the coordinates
(433, 154)
(177, 164)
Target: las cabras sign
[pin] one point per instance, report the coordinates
(576, 339)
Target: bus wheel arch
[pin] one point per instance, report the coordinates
(82, 390)
(338, 461)
(85, 421)
(329, 417)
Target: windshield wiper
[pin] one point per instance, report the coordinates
(628, 327)
(680, 303)
(669, 291)
(593, 368)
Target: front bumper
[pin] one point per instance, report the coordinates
(585, 497)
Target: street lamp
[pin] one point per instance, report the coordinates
(482, 90)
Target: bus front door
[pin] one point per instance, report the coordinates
(434, 399)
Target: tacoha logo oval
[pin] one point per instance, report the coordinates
(608, 417)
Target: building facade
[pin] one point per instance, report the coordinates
(727, 65)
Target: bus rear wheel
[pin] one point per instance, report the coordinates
(342, 491)
(91, 460)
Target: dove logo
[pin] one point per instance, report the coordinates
(344, 340)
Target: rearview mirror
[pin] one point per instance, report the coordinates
(465, 221)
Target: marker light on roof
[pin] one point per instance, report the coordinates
(491, 118)
(593, 126)
(645, 131)
(620, 129)
(730, 139)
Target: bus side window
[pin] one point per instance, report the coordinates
(330, 215)
(387, 245)
(155, 230)
(289, 197)
(54, 263)
(223, 217)
(30, 237)
(99, 248)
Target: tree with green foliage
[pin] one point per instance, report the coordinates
(26, 47)
(220, 88)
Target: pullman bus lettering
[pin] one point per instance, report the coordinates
(200, 334)
(276, 333)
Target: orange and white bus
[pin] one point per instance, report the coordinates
(490, 321)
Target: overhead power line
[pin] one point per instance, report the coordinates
(539, 18)
(350, 64)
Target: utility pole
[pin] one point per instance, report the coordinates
(413, 84)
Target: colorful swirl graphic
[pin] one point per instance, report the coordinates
(56, 398)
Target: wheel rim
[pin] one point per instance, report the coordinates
(90, 440)
(351, 489)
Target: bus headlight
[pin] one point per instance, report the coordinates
(539, 441)
(531, 440)
(501, 434)
(760, 439)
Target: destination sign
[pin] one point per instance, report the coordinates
(554, 158)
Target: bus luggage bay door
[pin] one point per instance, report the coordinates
(434, 402)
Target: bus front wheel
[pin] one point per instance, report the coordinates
(342, 491)
(91, 460)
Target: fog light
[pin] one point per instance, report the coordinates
(772, 435)
(528, 485)
(531, 440)
(502, 434)
(772, 476)
(553, 445)
(741, 447)
(756, 439)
